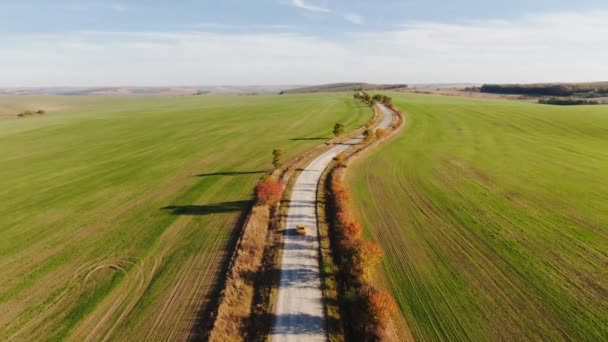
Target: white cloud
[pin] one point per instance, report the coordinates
(350, 17)
(541, 48)
(309, 7)
(354, 18)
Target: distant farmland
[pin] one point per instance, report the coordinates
(494, 219)
(117, 211)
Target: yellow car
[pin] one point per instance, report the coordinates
(301, 229)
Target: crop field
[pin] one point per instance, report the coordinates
(117, 212)
(493, 216)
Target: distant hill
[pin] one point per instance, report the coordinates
(586, 90)
(337, 87)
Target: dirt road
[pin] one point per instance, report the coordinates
(299, 314)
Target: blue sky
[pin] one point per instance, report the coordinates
(146, 42)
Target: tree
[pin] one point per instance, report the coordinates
(367, 98)
(388, 100)
(269, 192)
(41, 111)
(377, 97)
(277, 158)
(340, 160)
(338, 129)
(368, 135)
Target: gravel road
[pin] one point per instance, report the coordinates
(299, 314)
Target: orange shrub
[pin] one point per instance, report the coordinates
(343, 216)
(269, 192)
(381, 306)
(352, 230)
(381, 132)
(366, 256)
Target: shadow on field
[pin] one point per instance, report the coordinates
(305, 139)
(205, 313)
(218, 208)
(231, 173)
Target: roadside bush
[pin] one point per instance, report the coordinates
(368, 136)
(269, 192)
(359, 259)
(352, 231)
(381, 133)
(380, 307)
(340, 160)
(365, 257)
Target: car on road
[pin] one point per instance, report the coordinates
(301, 229)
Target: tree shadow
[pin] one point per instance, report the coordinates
(231, 173)
(198, 210)
(305, 139)
(298, 324)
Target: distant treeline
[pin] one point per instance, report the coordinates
(568, 101)
(339, 87)
(573, 89)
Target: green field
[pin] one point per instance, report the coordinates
(494, 218)
(117, 211)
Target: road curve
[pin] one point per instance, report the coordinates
(299, 313)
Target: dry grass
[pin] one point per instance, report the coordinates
(231, 322)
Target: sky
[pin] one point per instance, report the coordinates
(279, 42)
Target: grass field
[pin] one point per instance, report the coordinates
(494, 218)
(117, 211)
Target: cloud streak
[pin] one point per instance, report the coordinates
(306, 6)
(540, 48)
(352, 18)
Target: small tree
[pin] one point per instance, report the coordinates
(338, 129)
(41, 111)
(368, 136)
(340, 160)
(367, 98)
(377, 97)
(268, 192)
(277, 158)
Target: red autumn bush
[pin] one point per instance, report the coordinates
(352, 230)
(269, 192)
(381, 306)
